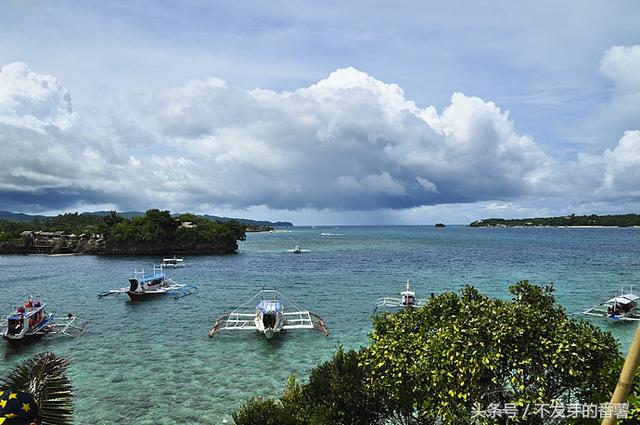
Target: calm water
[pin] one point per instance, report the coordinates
(152, 362)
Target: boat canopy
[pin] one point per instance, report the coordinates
(623, 299)
(269, 306)
(149, 278)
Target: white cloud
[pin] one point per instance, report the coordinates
(34, 101)
(621, 111)
(427, 185)
(621, 64)
(347, 143)
(622, 166)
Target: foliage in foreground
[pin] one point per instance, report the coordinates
(335, 394)
(432, 364)
(45, 377)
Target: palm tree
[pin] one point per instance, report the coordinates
(44, 376)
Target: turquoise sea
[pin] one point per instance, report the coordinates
(152, 362)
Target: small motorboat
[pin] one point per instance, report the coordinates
(173, 262)
(407, 299)
(270, 313)
(297, 250)
(144, 285)
(620, 308)
(30, 321)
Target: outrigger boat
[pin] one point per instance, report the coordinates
(173, 262)
(142, 286)
(620, 308)
(407, 299)
(30, 321)
(269, 312)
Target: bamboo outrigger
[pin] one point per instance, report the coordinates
(269, 312)
(30, 321)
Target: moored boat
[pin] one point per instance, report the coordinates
(272, 314)
(149, 285)
(30, 321)
(621, 308)
(407, 299)
(173, 262)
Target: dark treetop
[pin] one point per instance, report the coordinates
(622, 220)
(155, 232)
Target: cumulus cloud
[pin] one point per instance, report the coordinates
(621, 111)
(347, 143)
(33, 101)
(621, 165)
(621, 64)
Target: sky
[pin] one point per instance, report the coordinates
(323, 113)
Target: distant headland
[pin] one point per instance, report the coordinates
(154, 232)
(593, 220)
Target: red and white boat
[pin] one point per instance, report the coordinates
(30, 321)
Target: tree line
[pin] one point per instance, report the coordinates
(155, 227)
(619, 220)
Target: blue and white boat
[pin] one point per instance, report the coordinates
(30, 321)
(269, 313)
(621, 308)
(407, 299)
(149, 285)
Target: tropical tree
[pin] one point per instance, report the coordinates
(437, 362)
(45, 377)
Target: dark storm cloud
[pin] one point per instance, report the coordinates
(48, 199)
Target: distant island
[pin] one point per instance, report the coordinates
(10, 216)
(154, 232)
(593, 220)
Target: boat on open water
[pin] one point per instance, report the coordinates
(173, 262)
(621, 308)
(149, 285)
(269, 312)
(297, 250)
(30, 321)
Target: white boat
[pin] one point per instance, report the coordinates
(31, 321)
(297, 250)
(268, 312)
(147, 285)
(407, 299)
(621, 308)
(173, 262)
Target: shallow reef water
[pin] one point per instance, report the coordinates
(151, 362)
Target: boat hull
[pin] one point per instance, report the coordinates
(269, 333)
(138, 296)
(24, 339)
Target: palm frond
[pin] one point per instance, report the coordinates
(44, 376)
